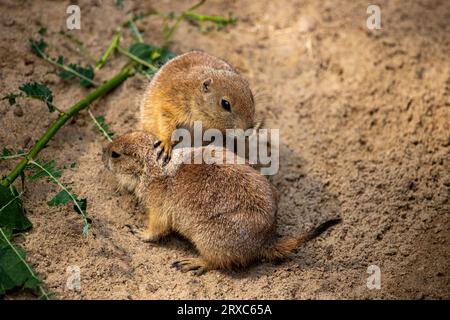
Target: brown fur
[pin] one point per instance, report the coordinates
(228, 211)
(176, 97)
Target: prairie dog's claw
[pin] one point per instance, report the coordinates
(132, 228)
(164, 151)
(156, 144)
(196, 265)
(141, 234)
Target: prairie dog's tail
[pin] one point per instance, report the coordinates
(283, 247)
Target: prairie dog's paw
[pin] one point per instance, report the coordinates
(143, 234)
(196, 265)
(164, 151)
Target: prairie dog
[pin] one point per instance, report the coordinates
(195, 86)
(228, 211)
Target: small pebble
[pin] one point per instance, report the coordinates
(391, 252)
(292, 177)
(18, 112)
(81, 122)
(26, 142)
(28, 59)
(51, 78)
(29, 70)
(8, 22)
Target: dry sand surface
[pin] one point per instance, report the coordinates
(364, 119)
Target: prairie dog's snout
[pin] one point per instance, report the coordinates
(129, 154)
(110, 152)
(106, 155)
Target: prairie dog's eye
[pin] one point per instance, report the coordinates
(115, 154)
(225, 104)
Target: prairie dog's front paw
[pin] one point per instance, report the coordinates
(164, 151)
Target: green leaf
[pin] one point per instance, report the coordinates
(43, 31)
(87, 72)
(143, 51)
(38, 47)
(70, 165)
(14, 270)
(82, 204)
(12, 213)
(11, 98)
(171, 15)
(85, 75)
(151, 53)
(40, 173)
(6, 153)
(60, 60)
(63, 197)
(119, 4)
(165, 55)
(39, 91)
(104, 126)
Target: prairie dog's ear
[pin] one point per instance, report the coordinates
(206, 86)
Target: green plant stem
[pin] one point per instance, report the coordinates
(107, 136)
(62, 119)
(11, 201)
(63, 187)
(141, 16)
(136, 59)
(182, 16)
(135, 32)
(113, 46)
(131, 23)
(149, 77)
(64, 67)
(61, 112)
(202, 17)
(13, 156)
(169, 34)
(197, 5)
(41, 289)
(79, 44)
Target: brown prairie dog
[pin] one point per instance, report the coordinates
(195, 86)
(228, 211)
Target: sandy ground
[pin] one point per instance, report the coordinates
(364, 118)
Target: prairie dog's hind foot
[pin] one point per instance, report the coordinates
(144, 234)
(198, 266)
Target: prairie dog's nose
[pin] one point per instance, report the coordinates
(106, 153)
(103, 154)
